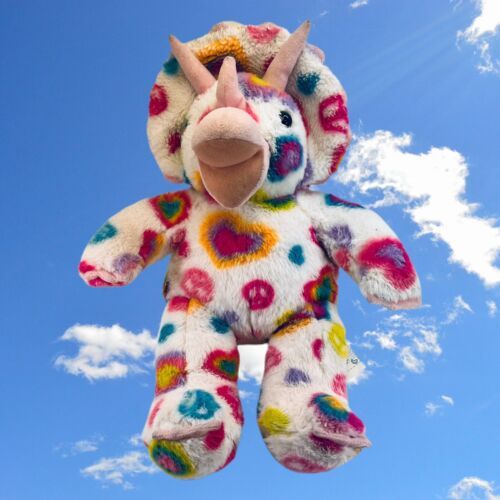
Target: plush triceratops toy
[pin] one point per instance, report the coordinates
(250, 117)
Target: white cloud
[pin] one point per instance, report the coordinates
(480, 32)
(85, 446)
(80, 446)
(358, 3)
(384, 339)
(431, 408)
(379, 164)
(135, 440)
(106, 352)
(448, 400)
(118, 470)
(472, 488)
(492, 308)
(252, 358)
(459, 306)
(410, 361)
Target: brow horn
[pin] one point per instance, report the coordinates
(228, 90)
(284, 61)
(198, 76)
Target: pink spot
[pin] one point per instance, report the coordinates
(214, 438)
(273, 358)
(301, 464)
(388, 255)
(154, 412)
(338, 154)
(259, 294)
(85, 267)
(158, 101)
(314, 237)
(179, 243)
(355, 422)
(149, 245)
(263, 34)
(198, 285)
(342, 258)
(230, 395)
(326, 444)
(317, 348)
(251, 112)
(174, 142)
(333, 114)
(178, 303)
(99, 282)
(339, 385)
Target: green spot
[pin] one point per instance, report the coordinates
(228, 366)
(170, 208)
(171, 67)
(166, 330)
(105, 232)
(296, 255)
(219, 324)
(307, 83)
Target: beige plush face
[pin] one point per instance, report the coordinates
(256, 145)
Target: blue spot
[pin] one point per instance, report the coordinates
(296, 255)
(324, 404)
(307, 83)
(105, 232)
(198, 404)
(166, 330)
(333, 201)
(219, 324)
(286, 158)
(171, 66)
(294, 376)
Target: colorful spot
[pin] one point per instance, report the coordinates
(166, 330)
(152, 245)
(220, 325)
(343, 259)
(171, 208)
(126, 263)
(174, 142)
(198, 285)
(221, 47)
(273, 421)
(307, 82)
(336, 337)
(170, 371)
(301, 464)
(179, 244)
(317, 348)
(273, 358)
(259, 294)
(286, 158)
(333, 115)
(85, 267)
(334, 201)
(230, 395)
(171, 67)
(171, 457)
(321, 290)
(262, 34)
(231, 241)
(105, 232)
(291, 321)
(294, 376)
(178, 303)
(158, 101)
(198, 404)
(223, 364)
(154, 412)
(388, 255)
(214, 438)
(286, 202)
(326, 444)
(255, 88)
(296, 255)
(341, 235)
(337, 155)
(339, 385)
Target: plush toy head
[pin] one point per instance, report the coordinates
(247, 111)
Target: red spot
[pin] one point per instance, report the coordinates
(149, 245)
(333, 114)
(154, 412)
(178, 303)
(263, 34)
(317, 348)
(259, 294)
(230, 395)
(179, 243)
(339, 385)
(342, 258)
(214, 438)
(314, 237)
(389, 255)
(158, 101)
(198, 285)
(301, 464)
(355, 422)
(338, 154)
(273, 358)
(99, 283)
(174, 142)
(85, 267)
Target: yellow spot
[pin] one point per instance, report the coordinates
(193, 305)
(273, 421)
(259, 81)
(230, 46)
(166, 375)
(336, 336)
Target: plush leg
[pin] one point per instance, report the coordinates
(195, 420)
(304, 415)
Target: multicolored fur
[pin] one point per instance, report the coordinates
(265, 271)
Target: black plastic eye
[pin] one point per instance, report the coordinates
(286, 119)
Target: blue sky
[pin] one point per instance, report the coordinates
(423, 84)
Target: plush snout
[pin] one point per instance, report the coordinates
(232, 154)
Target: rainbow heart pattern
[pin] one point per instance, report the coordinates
(171, 457)
(170, 371)
(223, 364)
(171, 208)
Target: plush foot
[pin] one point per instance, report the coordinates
(315, 434)
(193, 432)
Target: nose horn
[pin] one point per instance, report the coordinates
(228, 91)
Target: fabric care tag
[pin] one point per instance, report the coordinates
(354, 368)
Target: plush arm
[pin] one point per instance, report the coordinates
(134, 238)
(361, 243)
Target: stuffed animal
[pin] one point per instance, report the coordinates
(250, 118)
